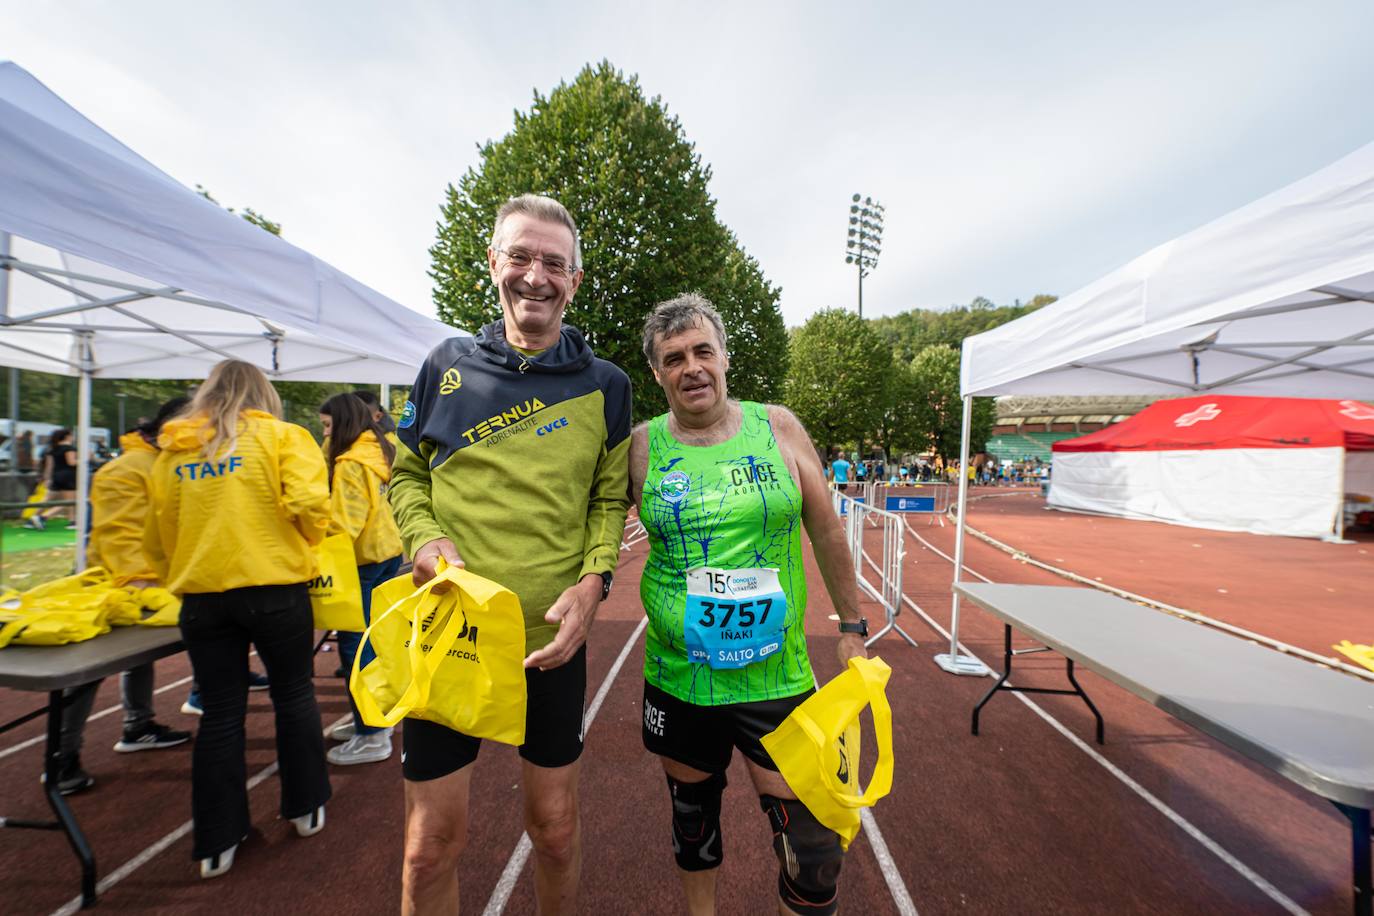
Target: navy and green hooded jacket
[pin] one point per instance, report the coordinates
(521, 461)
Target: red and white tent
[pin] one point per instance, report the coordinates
(1263, 465)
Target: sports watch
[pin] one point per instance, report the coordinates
(606, 579)
(860, 627)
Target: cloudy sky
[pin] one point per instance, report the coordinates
(1019, 148)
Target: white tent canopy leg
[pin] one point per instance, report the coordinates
(83, 448)
(952, 661)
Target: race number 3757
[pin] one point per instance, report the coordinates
(733, 617)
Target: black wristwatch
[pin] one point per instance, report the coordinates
(861, 627)
(606, 579)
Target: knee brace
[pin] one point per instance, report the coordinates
(809, 854)
(696, 822)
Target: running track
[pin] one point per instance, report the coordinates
(1026, 819)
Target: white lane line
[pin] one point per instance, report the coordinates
(1211, 845)
(39, 739)
(886, 864)
(73, 906)
(516, 864)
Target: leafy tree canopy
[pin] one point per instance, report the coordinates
(839, 377)
(624, 168)
(938, 408)
(910, 332)
(253, 216)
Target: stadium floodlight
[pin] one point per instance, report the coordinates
(865, 241)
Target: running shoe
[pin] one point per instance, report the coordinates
(220, 862)
(371, 748)
(71, 778)
(258, 681)
(343, 731)
(151, 737)
(309, 824)
(35, 522)
(192, 705)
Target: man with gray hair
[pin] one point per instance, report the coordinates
(512, 462)
(724, 488)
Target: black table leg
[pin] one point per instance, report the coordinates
(1360, 849)
(1101, 737)
(1007, 656)
(59, 804)
(1006, 673)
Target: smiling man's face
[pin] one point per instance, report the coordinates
(691, 368)
(533, 299)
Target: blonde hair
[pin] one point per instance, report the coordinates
(232, 387)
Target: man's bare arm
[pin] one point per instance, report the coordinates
(639, 461)
(822, 525)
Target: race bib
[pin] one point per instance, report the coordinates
(734, 617)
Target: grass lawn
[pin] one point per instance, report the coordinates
(29, 558)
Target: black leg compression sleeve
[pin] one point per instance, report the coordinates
(809, 854)
(696, 822)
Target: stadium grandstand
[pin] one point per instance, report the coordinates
(1028, 426)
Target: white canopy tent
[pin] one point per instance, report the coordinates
(1276, 298)
(110, 268)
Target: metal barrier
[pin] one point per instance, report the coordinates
(858, 517)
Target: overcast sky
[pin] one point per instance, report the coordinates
(1018, 148)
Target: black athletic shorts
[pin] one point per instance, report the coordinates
(553, 727)
(702, 737)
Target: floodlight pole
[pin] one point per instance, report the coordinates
(865, 238)
(953, 662)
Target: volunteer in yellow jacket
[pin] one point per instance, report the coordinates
(359, 459)
(240, 498)
(119, 509)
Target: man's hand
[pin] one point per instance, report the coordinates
(574, 612)
(425, 565)
(851, 645)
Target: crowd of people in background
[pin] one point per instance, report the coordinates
(984, 470)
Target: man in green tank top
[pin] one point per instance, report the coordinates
(724, 488)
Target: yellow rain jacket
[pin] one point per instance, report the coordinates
(119, 511)
(358, 506)
(249, 517)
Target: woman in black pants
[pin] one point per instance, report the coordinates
(239, 500)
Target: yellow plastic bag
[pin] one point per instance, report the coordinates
(37, 626)
(466, 671)
(816, 748)
(1362, 655)
(336, 596)
(165, 606)
(39, 494)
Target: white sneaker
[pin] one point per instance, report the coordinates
(343, 731)
(309, 824)
(361, 749)
(217, 865)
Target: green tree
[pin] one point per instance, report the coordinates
(624, 168)
(899, 422)
(838, 381)
(911, 332)
(939, 408)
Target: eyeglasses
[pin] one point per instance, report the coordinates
(553, 266)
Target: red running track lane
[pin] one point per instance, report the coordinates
(1019, 820)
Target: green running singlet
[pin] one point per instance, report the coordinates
(731, 506)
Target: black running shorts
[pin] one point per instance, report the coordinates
(703, 737)
(553, 727)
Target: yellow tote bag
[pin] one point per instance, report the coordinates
(336, 596)
(1363, 655)
(816, 748)
(39, 494)
(465, 672)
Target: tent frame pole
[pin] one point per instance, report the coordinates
(83, 446)
(952, 662)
